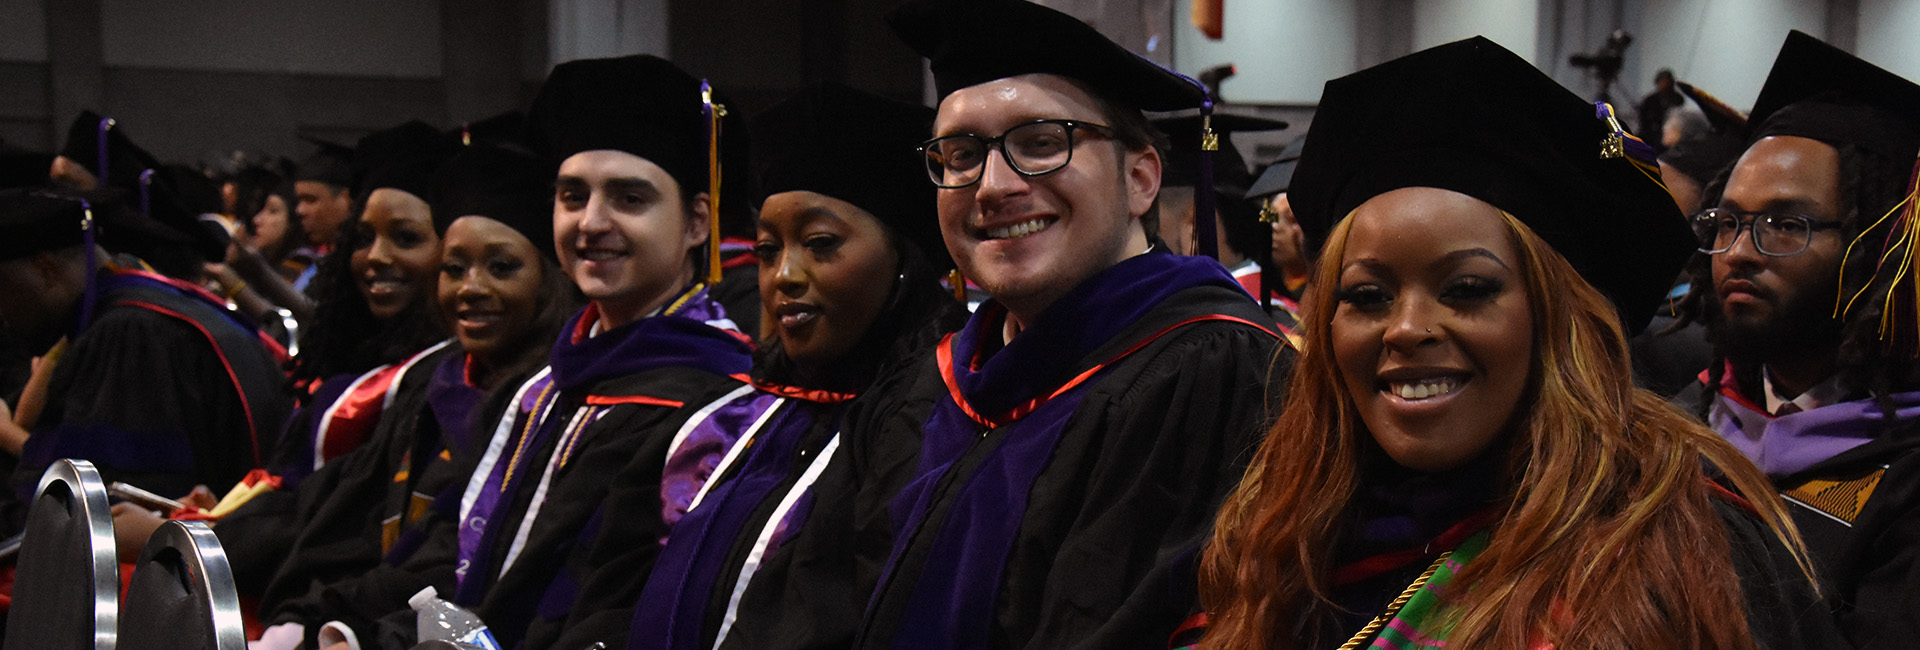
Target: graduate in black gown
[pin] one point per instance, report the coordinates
(1462, 460)
(1808, 301)
(626, 378)
(376, 300)
(850, 257)
(160, 385)
(502, 290)
(1090, 417)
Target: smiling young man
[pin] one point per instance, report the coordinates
(1795, 277)
(615, 402)
(1090, 417)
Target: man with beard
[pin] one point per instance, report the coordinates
(1809, 259)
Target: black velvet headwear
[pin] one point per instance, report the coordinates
(1474, 118)
(971, 42)
(23, 168)
(642, 105)
(856, 147)
(506, 184)
(504, 128)
(1818, 91)
(125, 160)
(1181, 166)
(1278, 176)
(33, 220)
(159, 195)
(403, 158)
(1704, 155)
(331, 164)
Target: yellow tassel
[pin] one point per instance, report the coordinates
(715, 111)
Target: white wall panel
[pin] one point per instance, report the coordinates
(1514, 24)
(1725, 47)
(1890, 35)
(1283, 51)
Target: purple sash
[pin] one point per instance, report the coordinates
(673, 604)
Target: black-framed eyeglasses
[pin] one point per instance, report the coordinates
(1774, 233)
(1033, 149)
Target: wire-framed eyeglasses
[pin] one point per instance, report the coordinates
(1777, 234)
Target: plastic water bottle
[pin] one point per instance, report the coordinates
(439, 620)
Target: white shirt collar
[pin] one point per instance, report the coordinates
(1828, 392)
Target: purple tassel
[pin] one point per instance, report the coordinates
(100, 147)
(146, 194)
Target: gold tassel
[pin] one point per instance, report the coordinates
(714, 113)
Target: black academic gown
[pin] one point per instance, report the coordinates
(1101, 553)
(165, 389)
(622, 397)
(1866, 551)
(343, 518)
(1783, 612)
(811, 592)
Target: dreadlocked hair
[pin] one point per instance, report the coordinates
(1870, 186)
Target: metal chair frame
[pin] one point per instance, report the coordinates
(89, 492)
(208, 573)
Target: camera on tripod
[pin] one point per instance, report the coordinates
(1606, 63)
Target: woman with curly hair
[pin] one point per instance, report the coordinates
(1463, 460)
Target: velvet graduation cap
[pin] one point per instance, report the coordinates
(857, 147)
(1704, 155)
(971, 42)
(402, 157)
(647, 106)
(98, 144)
(1181, 167)
(506, 184)
(101, 146)
(1278, 176)
(34, 220)
(330, 163)
(642, 105)
(1474, 118)
(1820, 92)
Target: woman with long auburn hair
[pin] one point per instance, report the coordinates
(1463, 460)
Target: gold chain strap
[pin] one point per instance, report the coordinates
(1373, 627)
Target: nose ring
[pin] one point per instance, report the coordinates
(1429, 330)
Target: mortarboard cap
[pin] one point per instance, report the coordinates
(1489, 125)
(642, 105)
(856, 147)
(124, 159)
(1278, 175)
(1702, 156)
(504, 128)
(403, 158)
(330, 163)
(506, 184)
(20, 168)
(971, 42)
(1181, 167)
(1818, 91)
(33, 220)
